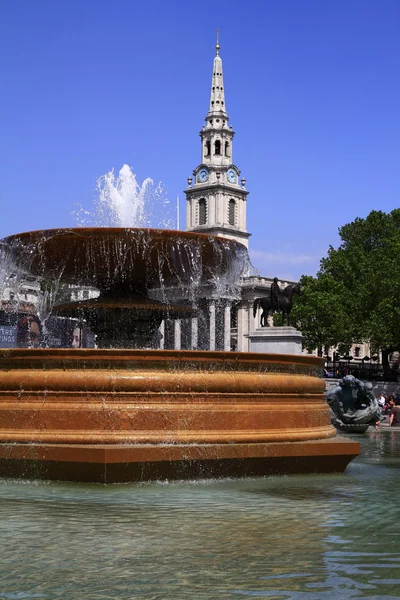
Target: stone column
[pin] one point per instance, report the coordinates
(211, 308)
(188, 213)
(177, 334)
(162, 333)
(250, 318)
(247, 323)
(240, 333)
(211, 209)
(195, 333)
(240, 213)
(227, 327)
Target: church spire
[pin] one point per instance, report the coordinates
(217, 96)
(216, 200)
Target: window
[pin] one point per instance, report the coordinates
(226, 148)
(357, 352)
(232, 212)
(217, 147)
(85, 294)
(207, 148)
(234, 316)
(202, 211)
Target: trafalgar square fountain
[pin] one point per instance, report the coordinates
(304, 537)
(128, 410)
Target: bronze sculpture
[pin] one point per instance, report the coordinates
(353, 405)
(278, 301)
(275, 294)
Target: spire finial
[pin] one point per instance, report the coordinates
(217, 44)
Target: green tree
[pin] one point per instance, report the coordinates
(367, 264)
(320, 314)
(356, 294)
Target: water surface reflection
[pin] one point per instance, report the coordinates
(291, 538)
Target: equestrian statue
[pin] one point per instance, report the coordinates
(278, 301)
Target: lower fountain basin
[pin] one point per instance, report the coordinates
(124, 415)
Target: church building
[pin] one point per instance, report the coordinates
(216, 203)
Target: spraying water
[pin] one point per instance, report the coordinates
(122, 202)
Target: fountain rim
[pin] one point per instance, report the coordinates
(108, 231)
(165, 355)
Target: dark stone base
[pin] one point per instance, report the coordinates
(121, 464)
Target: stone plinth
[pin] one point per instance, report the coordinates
(277, 340)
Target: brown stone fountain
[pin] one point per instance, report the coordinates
(125, 414)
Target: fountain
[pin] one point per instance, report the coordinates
(127, 411)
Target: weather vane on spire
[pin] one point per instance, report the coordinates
(217, 44)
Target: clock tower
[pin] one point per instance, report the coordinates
(216, 196)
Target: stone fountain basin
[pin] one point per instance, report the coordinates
(123, 415)
(125, 258)
(138, 396)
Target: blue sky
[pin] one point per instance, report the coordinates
(312, 91)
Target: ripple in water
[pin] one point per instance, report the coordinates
(271, 538)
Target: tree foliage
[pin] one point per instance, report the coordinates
(356, 294)
(320, 314)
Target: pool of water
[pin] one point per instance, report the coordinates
(293, 538)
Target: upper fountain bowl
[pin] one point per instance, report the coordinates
(129, 259)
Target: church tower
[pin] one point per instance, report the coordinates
(216, 197)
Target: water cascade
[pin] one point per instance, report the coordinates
(128, 410)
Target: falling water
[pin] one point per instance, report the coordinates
(122, 202)
(103, 261)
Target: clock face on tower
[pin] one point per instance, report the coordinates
(202, 175)
(232, 176)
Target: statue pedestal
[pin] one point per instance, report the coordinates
(276, 340)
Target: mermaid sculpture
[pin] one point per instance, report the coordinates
(353, 405)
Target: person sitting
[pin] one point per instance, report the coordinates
(388, 405)
(394, 419)
(381, 400)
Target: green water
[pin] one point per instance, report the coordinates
(300, 538)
